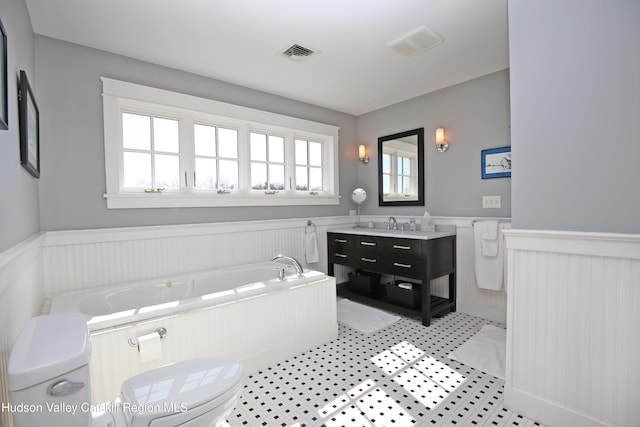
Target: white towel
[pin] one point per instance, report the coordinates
(488, 237)
(311, 247)
(489, 270)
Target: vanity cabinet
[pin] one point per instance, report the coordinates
(421, 257)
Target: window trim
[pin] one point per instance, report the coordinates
(119, 96)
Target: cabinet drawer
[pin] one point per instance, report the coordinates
(403, 247)
(370, 261)
(369, 243)
(405, 266)
(340, 241)
(342, 257)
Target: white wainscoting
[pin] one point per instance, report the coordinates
(573, 341)
(21, 296)
(483, 303)
(84, 259)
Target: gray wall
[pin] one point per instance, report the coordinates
(475, 115)
(73, 177)
(575, 108)
(19, 217)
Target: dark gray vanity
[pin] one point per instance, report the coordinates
(415, 255)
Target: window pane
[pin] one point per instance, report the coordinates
(205, 140)
(315, 179)
(276, 149)
(301, 152)
(228, 144)
(136, 131)
(301, 178)
(385, 184)
(165, 135)
(406, 187)
(258, 176)
(315, 154)
(406, 166)
(399, 162)
(386, 163)
(228, 175)
(167, 171)
(276, 177)
(137, 170)
(258, 147)
(206, 173)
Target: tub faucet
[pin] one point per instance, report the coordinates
(395, 224)
(291, 260)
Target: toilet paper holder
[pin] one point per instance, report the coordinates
(160, 331)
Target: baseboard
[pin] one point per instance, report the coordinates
(480, 310)
(546, 412)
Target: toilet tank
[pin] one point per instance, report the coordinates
(48, 373)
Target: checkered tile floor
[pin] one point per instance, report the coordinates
(398, 376)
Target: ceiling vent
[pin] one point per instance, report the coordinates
(297, 52)
(419, 40)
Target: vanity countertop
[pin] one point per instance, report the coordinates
(404, 234)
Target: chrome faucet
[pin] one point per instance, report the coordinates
(395, 224)
(294, 262)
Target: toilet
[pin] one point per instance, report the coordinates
(49, 384)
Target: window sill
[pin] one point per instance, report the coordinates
(175, 200)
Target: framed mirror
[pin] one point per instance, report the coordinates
(401, 169)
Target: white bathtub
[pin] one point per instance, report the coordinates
(245, 313)
(122, 304)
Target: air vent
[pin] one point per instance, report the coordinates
(419, 40)
(297, 52)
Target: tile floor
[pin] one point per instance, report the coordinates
(398, 376)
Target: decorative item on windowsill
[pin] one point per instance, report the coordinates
(358, 196)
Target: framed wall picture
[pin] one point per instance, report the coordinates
(496, 163)
(29, 127)
(4, 101)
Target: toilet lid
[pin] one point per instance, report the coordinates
(178, 387)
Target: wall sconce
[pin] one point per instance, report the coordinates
(441, 144)
(362, 153)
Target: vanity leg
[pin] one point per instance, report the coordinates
(452, 291)
(426, 302)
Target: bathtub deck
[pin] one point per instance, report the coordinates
(338, 384)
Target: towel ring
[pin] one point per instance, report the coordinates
(309, 224)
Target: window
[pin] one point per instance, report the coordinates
(216, 155)
(267, 162)
(165, 149)
(309, 169)
(150, 152)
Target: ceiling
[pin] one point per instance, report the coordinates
(238, 41)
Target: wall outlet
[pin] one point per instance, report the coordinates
(352, 212)
(491, 202)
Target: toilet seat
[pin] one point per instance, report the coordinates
(175, 394)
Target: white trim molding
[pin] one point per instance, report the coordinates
(573, 343)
